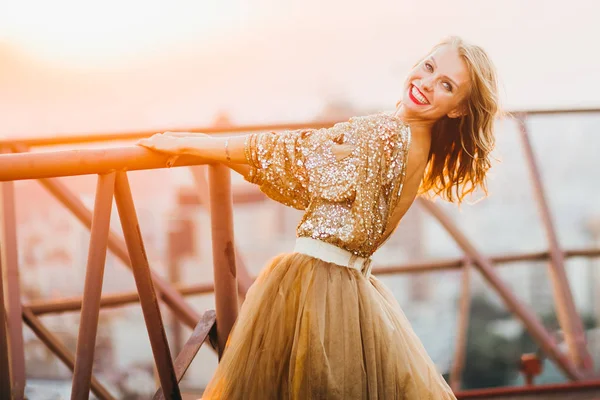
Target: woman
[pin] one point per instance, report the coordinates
(316, 324)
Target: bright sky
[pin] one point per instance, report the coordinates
(137, 63)
(76, 32)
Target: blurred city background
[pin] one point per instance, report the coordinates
(71, 67)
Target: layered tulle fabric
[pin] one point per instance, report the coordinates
(314, 330)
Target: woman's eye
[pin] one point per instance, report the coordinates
(429, 67)
(447, 86)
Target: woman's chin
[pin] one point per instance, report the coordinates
(415, 111)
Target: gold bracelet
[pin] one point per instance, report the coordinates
(227, 150)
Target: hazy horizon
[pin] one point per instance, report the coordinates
(68, 67)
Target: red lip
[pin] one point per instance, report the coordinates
(414, 100)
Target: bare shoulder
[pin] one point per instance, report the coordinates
(418, 153)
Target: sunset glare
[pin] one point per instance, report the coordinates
(77, 33)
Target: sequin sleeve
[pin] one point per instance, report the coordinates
(289, 165)
(277, 164)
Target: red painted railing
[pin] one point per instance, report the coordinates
(111, 166)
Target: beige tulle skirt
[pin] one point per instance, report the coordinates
(309, 329)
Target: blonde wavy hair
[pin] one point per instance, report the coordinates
(459, 157)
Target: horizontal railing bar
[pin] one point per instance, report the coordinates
(84, 162)
(127, 298)
(500, 260)
(545, 255)
(58, 139)
(108, 301)
(555, 111)
(532, 390)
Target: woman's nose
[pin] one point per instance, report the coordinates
(427, 84)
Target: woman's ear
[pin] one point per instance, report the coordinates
(459, 111)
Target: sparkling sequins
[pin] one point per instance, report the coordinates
(348, 201)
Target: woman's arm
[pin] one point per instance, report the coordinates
(227, 150)
(219, 149)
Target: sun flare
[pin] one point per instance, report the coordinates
(77, 32)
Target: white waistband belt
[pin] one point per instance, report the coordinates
(333, 254)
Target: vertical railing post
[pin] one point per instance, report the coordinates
(174, 277)
(568, 317)
(92, 292)
(463, 327)
(143, 281)
(243, 276)
(5, 382)
(221, 216)
(10, 265)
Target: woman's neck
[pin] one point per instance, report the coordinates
(418, 126)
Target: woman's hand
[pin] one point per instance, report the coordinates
(175, 143)
(165, 143)
(229, 150)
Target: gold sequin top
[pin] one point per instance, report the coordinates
(347, 202)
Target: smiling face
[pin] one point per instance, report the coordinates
(436, 87)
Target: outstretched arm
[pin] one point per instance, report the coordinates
(277, 162)
(227, 150)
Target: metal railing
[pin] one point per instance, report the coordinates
(230, 274)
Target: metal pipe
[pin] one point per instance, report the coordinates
(109, 300)
(10, 263)
(532, 324)
(128, 298)
(101, 161)
(221, 216)
(174, 276)
(498, 261)
(5, 381)
(90, 310)
(143, 281)
(567, 314)
(84, 161)
(463, 328)
(522, 392)
(191, 347)
(58, 138)
(243, 276)
(60, 350)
